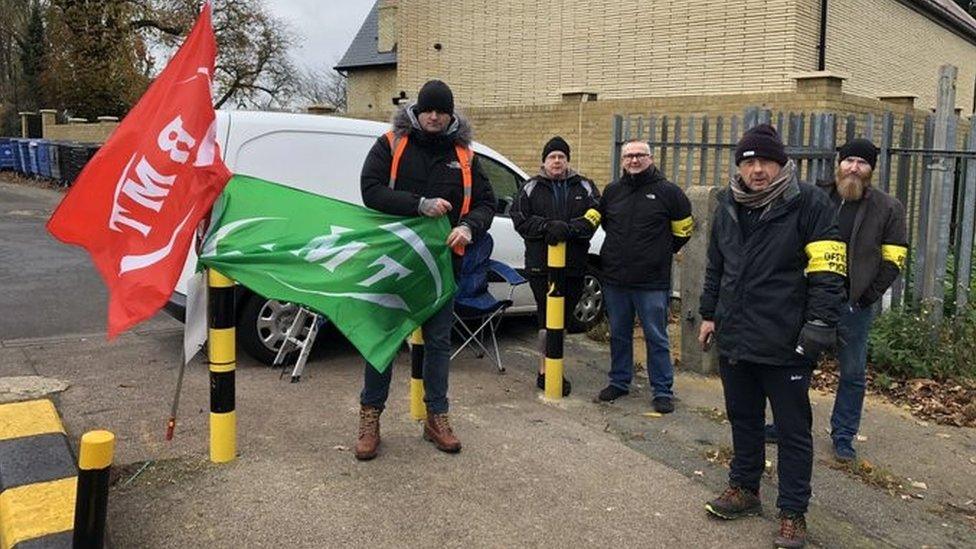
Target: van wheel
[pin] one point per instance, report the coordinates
(262, 325)
(590, 309)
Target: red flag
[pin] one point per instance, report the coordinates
(136, 204)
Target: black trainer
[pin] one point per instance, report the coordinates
(663, 404)
(540, 382)
(735, 502)
(611, 393)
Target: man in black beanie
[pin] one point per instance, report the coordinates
(420, 167)
(774, 284)
(872, 223)
(557, 205)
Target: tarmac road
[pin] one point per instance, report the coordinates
(48, 289)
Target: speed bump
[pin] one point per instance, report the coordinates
(38, 477)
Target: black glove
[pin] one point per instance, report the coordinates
(579, 227)
(556, 231)
(816, 338)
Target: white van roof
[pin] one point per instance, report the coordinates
(247, 124)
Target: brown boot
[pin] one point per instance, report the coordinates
(369, 433)
(792, 531)
(437, 429)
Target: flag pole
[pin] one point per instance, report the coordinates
(171, 424)
(223, 363)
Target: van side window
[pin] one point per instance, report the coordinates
(504, 182)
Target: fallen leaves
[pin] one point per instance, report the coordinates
(945, 403)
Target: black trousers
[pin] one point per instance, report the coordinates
(574, 289)
(747, 385)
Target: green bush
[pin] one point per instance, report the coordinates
(902, 344)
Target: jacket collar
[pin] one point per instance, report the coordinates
(571, 176)
(646, 177)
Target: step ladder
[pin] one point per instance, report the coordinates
(307, 322)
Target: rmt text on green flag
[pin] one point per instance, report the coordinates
(377, 277)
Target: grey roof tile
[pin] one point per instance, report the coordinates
(362, 51)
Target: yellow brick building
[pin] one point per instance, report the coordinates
(526, 70)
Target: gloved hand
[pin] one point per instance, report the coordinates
(556, 231)
(816, 337)
(580, 226)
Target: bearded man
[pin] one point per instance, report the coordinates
(872, 223)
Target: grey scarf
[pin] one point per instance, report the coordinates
(765, 197)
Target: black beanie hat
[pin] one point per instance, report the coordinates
(761, 142)
(861, 148)
(555, 144)
(435, 95)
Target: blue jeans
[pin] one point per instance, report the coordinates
(853, 326)
(651, 306)
(437, 358)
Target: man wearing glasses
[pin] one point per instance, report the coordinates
(647, 219)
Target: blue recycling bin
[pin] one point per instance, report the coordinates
(24, 156)
(43, 148)
(6, 154)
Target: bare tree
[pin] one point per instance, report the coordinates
(320, 86)
(253, 66)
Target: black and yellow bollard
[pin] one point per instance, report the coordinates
(418, 411)
(91, 499)
(223, 362)
(555, 318)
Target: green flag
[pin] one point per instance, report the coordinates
(377, 277)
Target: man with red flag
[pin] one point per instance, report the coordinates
(137, 203)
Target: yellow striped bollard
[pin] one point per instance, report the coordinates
(418, 411)
(223, 363)
(555, 317)
(91, 499)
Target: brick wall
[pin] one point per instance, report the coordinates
(508, 52)
(83, 133)
(886, 47)
(370, 92)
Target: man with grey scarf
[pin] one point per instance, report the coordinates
(773, 290)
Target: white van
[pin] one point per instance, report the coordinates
(324, 155)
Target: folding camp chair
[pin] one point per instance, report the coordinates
(478, 313)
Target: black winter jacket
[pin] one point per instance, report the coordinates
(877, 248)
(537, 204)
(755, 288)
(429, 168)
(647, 219)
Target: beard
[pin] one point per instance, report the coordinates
(851, 187)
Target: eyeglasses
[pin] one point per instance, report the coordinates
(635, 156)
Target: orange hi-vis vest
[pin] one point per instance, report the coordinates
(398, 144)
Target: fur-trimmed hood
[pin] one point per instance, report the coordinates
(405, 120)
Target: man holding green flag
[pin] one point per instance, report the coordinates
(425, 167)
